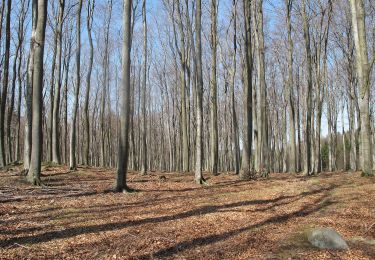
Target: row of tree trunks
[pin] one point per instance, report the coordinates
(268, 129)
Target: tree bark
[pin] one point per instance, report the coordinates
(52, 94)
(363, 74)
(306, 35)
(214, 149)
(67, 59)
(345, 167)
(246, 171)
(184, 116)
(90, 13)
(73, 134)
(144, 87)
(123, 150)
(11, 105)
(33, 175)
(292, 123)
(199, 89)
(5, 83)
(56, 158)
(29, 91)
(235, 135)
(263, 166)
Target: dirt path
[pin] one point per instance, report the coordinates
(78, 217)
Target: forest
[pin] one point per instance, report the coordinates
(210, 129)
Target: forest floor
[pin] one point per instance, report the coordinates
(76, 216)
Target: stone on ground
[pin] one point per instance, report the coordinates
(326, 238)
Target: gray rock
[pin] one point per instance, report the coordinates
(326, 238)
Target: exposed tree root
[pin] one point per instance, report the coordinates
(367, 174)
(126, 190)
(34, 180)
(24, 172)
(202, 181)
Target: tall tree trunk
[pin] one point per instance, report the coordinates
(21, 36)
(125, 102)
(52, 94)
(11, 105)
(214, 149)
(144, 82)
(345, 167)
(299, 157)
(235, 135)
(363, 74)
(330, 139)
(65, 97)
(199, 89)
(33, 175)
(90, 14)
(73, 134)
(289, 92)
(352, 129)
(4, 91)
(29, 91)
(1, 20)
(262, 102)
(56, 158)
(246, 171)
(184, 116)
(19, 103)
(306, 35)
(103, 126)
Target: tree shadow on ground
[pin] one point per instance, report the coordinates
(75, 231)
(210, 239)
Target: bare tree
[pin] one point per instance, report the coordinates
(199, 90)
(29, 91)
(235, 137)
(52, 89)
(56, 102)
(40, 9)
(262, 90)
(363, 75)
(17, 61)
(66, 66)
(89, 20)
(184, 116)
(73, 137)
(4, 91)
(306, 35)
(144, 87)
(246, 171)
(20, 75)
(289, 93)
(103, 126)
(124, 102)
(214, 126)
